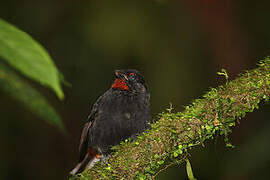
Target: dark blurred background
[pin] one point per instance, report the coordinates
(178, 46)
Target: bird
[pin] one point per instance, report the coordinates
(122, 112)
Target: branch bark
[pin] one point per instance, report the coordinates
(170, 138)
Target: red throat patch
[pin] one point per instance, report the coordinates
(119, 83)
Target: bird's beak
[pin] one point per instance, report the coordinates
(120, 74)
(117, 73)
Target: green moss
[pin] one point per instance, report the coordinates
(170, 138)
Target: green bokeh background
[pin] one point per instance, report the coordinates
(178, 46)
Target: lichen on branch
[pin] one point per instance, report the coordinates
(169, 139)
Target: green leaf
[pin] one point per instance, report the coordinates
(189, 170)
(20, 90)
(224, 73)
(27, 56)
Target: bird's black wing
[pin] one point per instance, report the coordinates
(83, 146)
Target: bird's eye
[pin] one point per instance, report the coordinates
(132, 76)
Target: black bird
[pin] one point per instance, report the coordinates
(121, 112)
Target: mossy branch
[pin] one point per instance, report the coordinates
(175, 133)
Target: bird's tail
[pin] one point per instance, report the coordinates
(87, 163)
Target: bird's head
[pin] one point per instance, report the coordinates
(129, 80)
